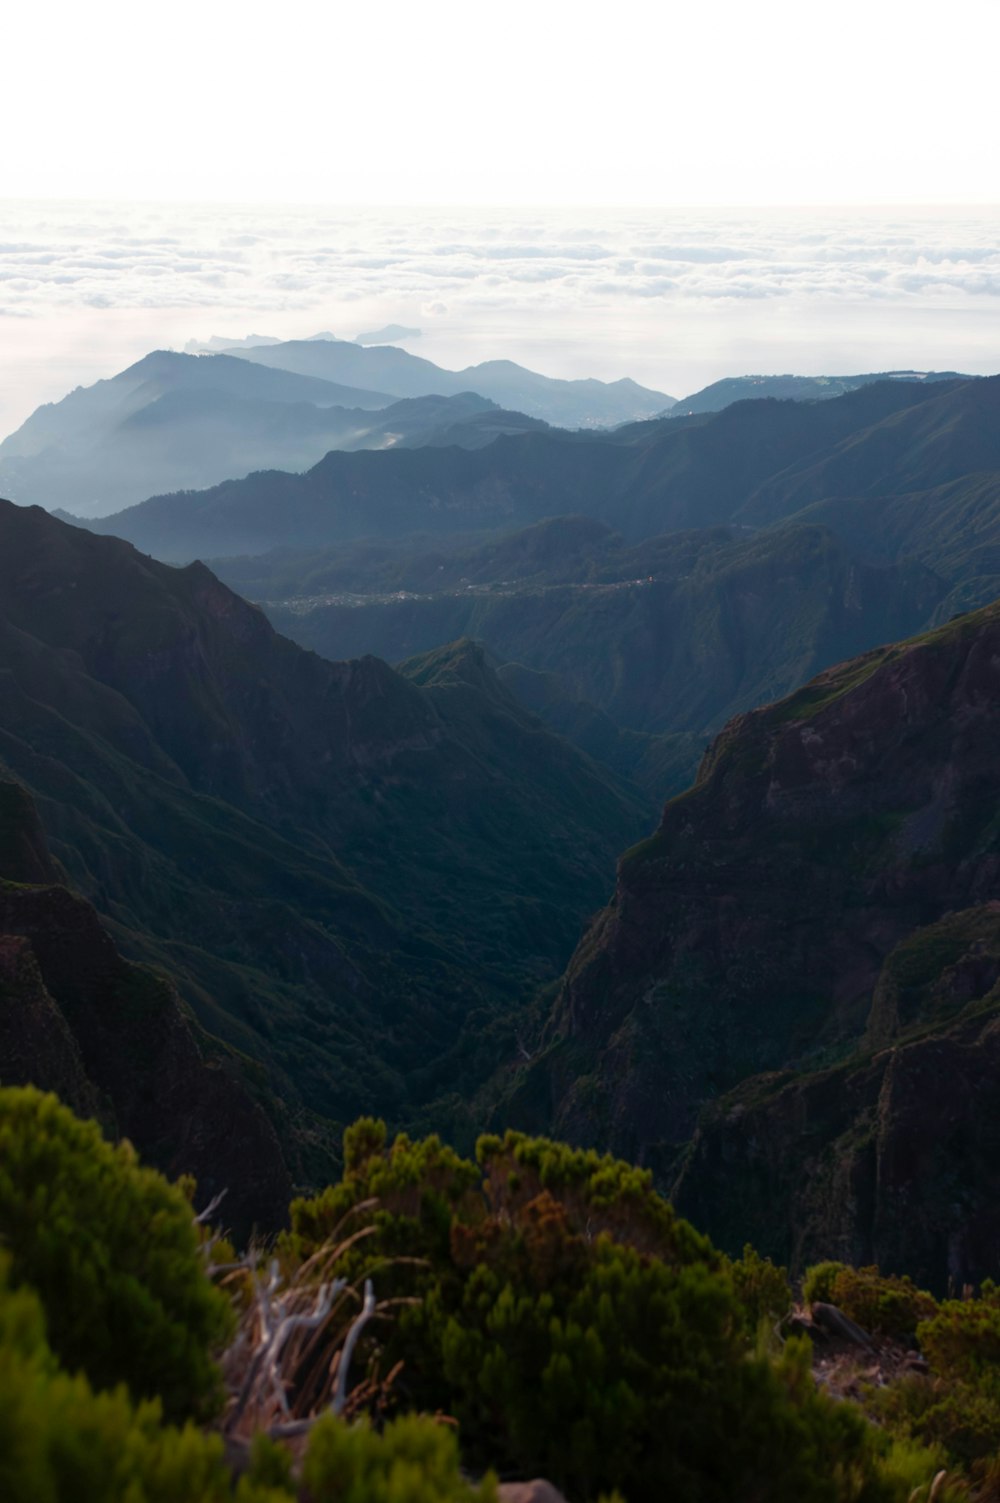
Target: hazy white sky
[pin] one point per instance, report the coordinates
(673, 297)
(528, 102)
(148, 151)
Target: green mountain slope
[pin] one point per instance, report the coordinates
(673, 635)
(232, 806)
(732, 389)
(953, 529)
(113, 1040)
(952, 434)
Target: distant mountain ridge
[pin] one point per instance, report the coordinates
(565, 403)
(649, 478)
(742, 596)
(186, 422)
(732, 389)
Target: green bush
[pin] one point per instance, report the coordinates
(961, 1337)
(881, 1303)
(762, 1288)
(414, 1460)
(576, 1328)
(818, 1282)
(913, 1469)
(956, 1407)
(60, 1442)
(884, 1304)
(111, 1250)
(571, 1323)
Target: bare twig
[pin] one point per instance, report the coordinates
(203, 1217)
(347, 1350)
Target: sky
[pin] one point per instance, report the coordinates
(537, 102)
(765, 187)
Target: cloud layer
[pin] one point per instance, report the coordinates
(672, 297)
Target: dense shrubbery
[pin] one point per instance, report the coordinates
(956, 1406)
(953, 1408)
(113, 1254)
(576, 1327)
(762, 1289)
(554, 1305)
(60, 1442)
(884, 1304)
(414, 1460)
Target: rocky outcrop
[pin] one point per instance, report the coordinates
(36, 1042)
(891, 1158)
(749, 936)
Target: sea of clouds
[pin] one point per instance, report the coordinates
(673, 298)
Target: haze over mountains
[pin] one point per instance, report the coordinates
(642, 478)
(185, 421)
(571, 404)
(182, 422)
(702, 578)
(365, 881)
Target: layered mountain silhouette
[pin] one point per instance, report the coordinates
(644, 479)
(352, 875)
(665, 634)
(799, 972)
(569, 404)
(321, 886)
(175, 421)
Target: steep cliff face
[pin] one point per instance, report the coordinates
(749, 933)
(112, 1040)
(891, 1157)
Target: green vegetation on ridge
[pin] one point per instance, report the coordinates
(556, 1309)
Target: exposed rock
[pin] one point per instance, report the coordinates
(805, 876)
(36, 1043)
(832, 1320)
(536, 1491)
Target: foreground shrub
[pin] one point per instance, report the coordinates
(961, 1338)
(413, 1460)
(111, 1250)
(578, 1329)
(956, 1407)
(762, 1289)
(60, 1442)
(884, 1304)
(818, 1282)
